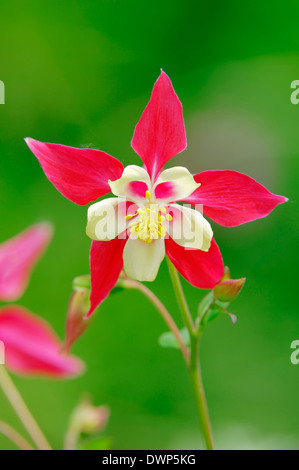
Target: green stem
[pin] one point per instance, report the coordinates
(194, 366)
(199, 394)
(177, 286)
(21, 409)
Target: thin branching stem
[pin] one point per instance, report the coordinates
(15, 437)
(164, 313)
(21, 409)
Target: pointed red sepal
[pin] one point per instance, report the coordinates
(80, 174)
(160, 133)
(231, 198)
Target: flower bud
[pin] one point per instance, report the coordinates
(76, 323)
(89, 419)
(229, 289)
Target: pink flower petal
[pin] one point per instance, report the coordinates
(18, 256)
(160, 133)
(81, 175)
(32, 347)
(202, 269)
(231, 198)
(106, 263)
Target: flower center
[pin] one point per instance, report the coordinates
(150, 224)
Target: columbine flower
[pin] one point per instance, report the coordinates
(30, 345)
(144, 222)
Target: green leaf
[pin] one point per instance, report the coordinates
(215, 311)
(99, 443)
(168, 340)
(117, 289)
(205, 303)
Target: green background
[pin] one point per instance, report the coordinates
(80, 73)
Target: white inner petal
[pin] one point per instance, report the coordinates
(182, 182)
(106, 219)
(131, 174)
(142, 260)
(190, 229)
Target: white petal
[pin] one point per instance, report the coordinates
(106, 219)
(123, 187)
(180, 183)
(142, 260)
(189, 228)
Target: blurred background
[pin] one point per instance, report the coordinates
(80, 73)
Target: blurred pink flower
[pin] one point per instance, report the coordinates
(83, 175)
(18, 256)
(31, 347)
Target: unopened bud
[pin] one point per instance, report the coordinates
(76, 323)
(89, 419)
(85, 419)
(228, 290)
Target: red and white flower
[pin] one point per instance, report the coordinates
(144, 222)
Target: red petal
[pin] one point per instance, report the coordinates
(202, 269)
(18, 257)
(160, 133)
(106, 263)
(81, 175)
(231, 198)
(32, 348)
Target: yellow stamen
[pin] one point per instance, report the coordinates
(149, 225)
